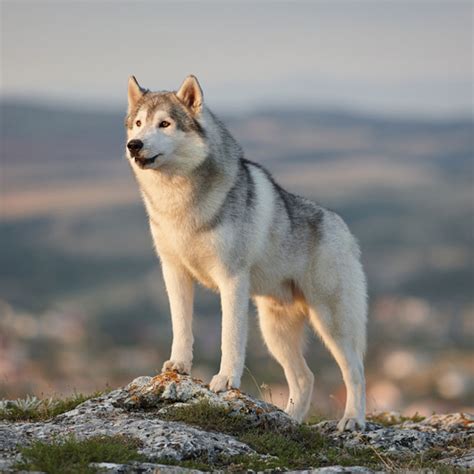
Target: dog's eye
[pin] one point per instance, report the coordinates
(138, 123)
(164, 124)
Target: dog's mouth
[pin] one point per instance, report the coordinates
(143, 162)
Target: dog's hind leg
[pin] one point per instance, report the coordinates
(343, 332)
(283, 332)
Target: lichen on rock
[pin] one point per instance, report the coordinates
(170, 390)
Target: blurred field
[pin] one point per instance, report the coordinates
(82, 302)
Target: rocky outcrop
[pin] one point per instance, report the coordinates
(451, 434)
(142, 410)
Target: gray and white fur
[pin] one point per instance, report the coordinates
(221, 220)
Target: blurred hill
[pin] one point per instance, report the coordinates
(82, 299)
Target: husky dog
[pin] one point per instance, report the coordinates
(220, 219)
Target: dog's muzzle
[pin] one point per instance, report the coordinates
(134, 147)
(143, 162)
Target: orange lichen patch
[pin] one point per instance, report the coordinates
(166, 377)
(172, 376)
(467, 422)
(235, 393)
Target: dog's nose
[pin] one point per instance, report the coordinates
(135, 145)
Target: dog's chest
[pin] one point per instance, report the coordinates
(195, 251)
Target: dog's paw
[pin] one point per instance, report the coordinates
(350, 424)
(222, 382)
(177, 366)
(297, 413)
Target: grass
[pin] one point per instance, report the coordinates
(34, 409)
(314, 419)
(74, 456)
(296, 447)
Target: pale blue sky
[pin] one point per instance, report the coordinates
(384, 56)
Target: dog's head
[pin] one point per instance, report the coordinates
(164, 129)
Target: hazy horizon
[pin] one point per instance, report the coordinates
(389, 58)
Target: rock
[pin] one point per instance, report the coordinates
(340, 470)
(142, 468)
(159, 438)
(452, 423)
(437, 431)
(140, 410)
(464, 461)
(171, 389)
(391, 439)
(136, 410)
(149, 468)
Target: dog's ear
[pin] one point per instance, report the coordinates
(190, 94)
(135, 92)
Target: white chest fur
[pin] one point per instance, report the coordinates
(195, 251)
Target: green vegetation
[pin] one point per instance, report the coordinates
(34, 409)
(314, 419)
(296, 447)
(209, 417)
(74, 456)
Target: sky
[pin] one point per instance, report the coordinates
(390, 57)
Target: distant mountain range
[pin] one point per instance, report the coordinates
(51, 133)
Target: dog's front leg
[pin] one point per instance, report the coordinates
(234, 301)
(179, 286)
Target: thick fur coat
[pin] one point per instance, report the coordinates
(221, 220)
